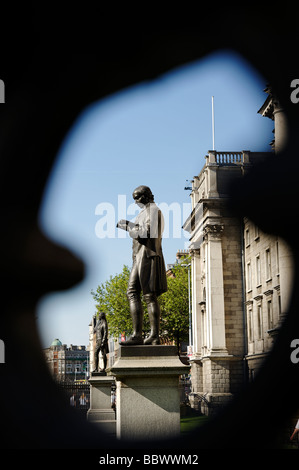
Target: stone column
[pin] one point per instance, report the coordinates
(216, 361)
(286, 275)
(100, 411)
(196, 297)
(147, 393)
(280, 126)
(215, 291)
(197, 325)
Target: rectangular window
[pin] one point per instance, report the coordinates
(250, 325)
(249, 279)
(279, 304)
(259, 322)
(203, 329)
(256, 232)
(268, 264)
(270, 314)
(277, 257)
(247, 237)
(258, 270)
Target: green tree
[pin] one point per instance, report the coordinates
(175, 305)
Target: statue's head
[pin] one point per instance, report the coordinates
(102, 316)
(143, 195)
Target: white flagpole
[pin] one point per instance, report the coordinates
(213, 123)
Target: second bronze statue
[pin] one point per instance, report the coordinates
(148, 274)
(101, 333)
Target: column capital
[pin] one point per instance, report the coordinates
(213, 231)
(194, 252)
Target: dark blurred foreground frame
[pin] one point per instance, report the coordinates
(46, 88)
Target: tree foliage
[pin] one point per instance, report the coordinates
(175, 304)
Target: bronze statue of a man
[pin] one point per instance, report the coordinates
(101, 332)
(148, 274)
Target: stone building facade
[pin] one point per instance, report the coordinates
(268, 266)
(262, 293)
(241, 281)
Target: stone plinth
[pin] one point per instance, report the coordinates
(100, 411)
(147, 393)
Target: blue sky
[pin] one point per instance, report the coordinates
(156, 133)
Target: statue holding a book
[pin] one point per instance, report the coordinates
(148, 274)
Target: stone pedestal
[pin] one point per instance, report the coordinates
(100, 411)
(147, 392)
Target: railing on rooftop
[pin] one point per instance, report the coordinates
(228, 158)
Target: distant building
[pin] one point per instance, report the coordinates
(180, 255)
(241, 277)
(67, 364)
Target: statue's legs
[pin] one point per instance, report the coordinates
(104, 360)
(137, 316)
(104, 356)
(153, 308)
(96, 359)
(136, 310)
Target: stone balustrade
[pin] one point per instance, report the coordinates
(228, 158)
